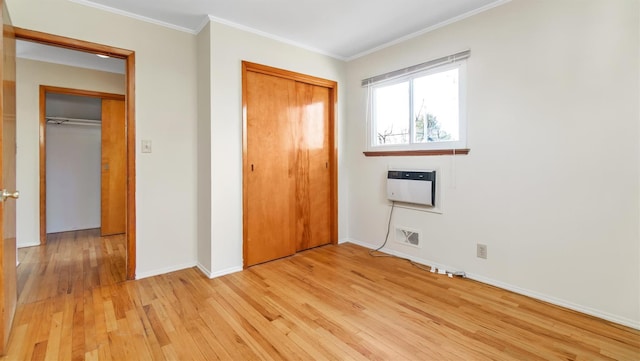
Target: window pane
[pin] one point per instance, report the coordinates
(435, 107)
(391, 109)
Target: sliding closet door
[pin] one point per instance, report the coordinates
(289, 169)
(269, 183)
(313, 176)
(113, 175)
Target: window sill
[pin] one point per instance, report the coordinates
(412, 153)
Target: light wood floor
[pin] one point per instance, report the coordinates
(70, 263)
(329, 303)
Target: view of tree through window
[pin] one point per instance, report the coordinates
(421, 109)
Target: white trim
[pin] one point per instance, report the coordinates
(196, 30)
(409, 257)
(203, 24)
(347, 240)
(134, 16)
(162, 271)
(225, 272)
(273, 37)
(522, 291)
(220, 273)
(25, 245)
(204, 269)
(557, 301)
(429, 29)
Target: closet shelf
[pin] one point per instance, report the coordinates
(74, 121)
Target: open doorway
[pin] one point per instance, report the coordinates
(83, 165)
(128, 136)
(72, 162)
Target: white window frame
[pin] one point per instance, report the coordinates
(461, 143)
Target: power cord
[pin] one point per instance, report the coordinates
(386, 238)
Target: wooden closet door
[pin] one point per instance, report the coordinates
(269, 204)
(313, 177)
(113, 187)
(8, 250)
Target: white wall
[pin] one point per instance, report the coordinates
(73, 177)
(551, 182)
(166, 113)
(229, 46)
(30, 74)
(204, 149)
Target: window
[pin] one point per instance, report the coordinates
(423, 110)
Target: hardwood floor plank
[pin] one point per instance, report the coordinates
(329, 303)
(53, 341)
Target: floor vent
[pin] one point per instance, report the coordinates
(408, 236)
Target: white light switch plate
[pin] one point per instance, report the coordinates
(146, 146)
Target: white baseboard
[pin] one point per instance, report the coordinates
(226, 271)
(160, 271)
(204, 269)
(219, 273)
(407, 256)
(25, 245)
(557, 301)
(539, 296)
(346, 240)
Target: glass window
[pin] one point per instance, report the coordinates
(419, 111)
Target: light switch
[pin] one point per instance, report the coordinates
(146, 146)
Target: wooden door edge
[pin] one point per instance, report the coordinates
(245, 203)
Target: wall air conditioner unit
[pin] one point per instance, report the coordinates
(417, 187)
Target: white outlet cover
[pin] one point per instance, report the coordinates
(146, 146)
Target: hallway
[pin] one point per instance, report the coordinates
(69, 263)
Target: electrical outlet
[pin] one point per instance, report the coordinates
(481, 251)
(146, 146)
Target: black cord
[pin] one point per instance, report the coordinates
(386, 238)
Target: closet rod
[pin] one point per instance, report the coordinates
(76, 121)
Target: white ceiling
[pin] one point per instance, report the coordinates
(341, 28)
(52, 54)
(345, 29)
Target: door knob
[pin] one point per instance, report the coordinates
(4, 195)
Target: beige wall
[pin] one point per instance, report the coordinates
(166, 114)
(204, 150)
(229, 46)
(551, 182)
(30, 75)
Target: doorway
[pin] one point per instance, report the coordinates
(82, 165)
(129, 57)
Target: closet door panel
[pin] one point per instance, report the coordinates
(313, 176)
(271, 105)
(113, 193)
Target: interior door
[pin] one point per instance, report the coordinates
(313, 177)
(113, 189)
(269, 205)
(8, 295)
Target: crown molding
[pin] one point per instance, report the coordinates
(429, 29)
(134, 16)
